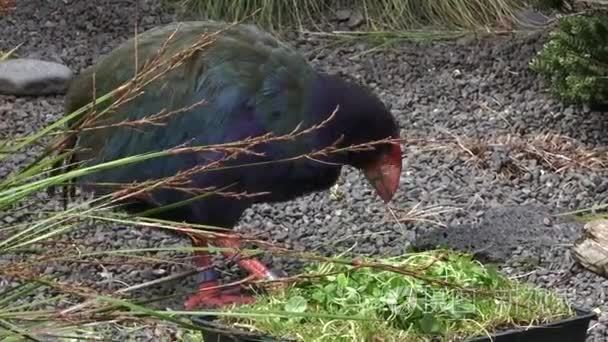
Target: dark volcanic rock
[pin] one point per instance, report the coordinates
(502, 232)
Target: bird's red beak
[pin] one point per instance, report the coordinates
(385, 172)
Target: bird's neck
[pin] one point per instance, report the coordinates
(327, 92)
(328, 95)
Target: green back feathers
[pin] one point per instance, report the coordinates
(243, 65)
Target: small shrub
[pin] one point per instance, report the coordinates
(575, 60)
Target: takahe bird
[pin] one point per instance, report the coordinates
(253, 84)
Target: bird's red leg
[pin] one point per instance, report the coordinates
(210, 293)
(252, 265)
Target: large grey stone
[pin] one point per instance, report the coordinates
(591, 248)
(26, 76)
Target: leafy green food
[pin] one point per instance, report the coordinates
(431, 294)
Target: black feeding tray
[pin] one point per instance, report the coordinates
(572, 329)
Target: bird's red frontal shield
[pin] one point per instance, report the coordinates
(384, 173)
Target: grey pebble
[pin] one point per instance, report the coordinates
(32, 77)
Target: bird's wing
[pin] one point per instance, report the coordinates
(252, 83)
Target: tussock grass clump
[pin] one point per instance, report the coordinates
(409, 298)
(381, 15)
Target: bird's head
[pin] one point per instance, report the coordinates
(362, 118)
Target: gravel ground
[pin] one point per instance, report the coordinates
(499, 205)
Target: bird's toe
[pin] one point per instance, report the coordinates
(276, 274)
(211, 295)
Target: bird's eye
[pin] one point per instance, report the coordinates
(275, 114)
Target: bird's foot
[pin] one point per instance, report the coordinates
(211, 294)
(277, 286)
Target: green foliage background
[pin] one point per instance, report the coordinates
(574, 61)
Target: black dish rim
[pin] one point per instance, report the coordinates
(208, 327)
